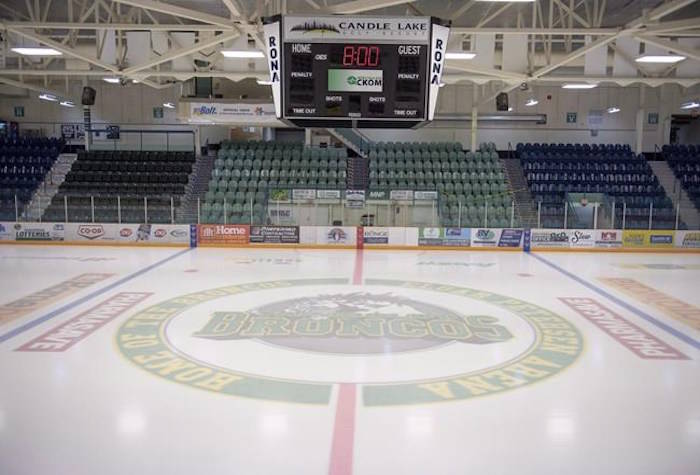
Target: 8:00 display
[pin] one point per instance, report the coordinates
(361, 55)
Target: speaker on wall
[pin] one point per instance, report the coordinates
(88, 98)
(502, 102)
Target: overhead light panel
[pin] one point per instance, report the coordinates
(67, 104)
(48, 97)
(460, 55)
(660, 58)
(264, 83)
(442, 84)
(579, 86)
(37, 51)
(690, 105)
(613, 110)
(509, 1)
(242, 54)
(169, 105)
(532, 102)
(111, 80)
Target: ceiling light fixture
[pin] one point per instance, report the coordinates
(67, 104)
(579, 86)
(613, 110)
(37, 51)
(460, 55)
(264, 83)
(111, 80)
(169, 105)
(532, 102)
(690, 105)
(660, 58)
(48, 97)
(242, 54)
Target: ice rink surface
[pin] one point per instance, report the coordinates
(274, 361)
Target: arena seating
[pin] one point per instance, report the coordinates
(23, 165)
(553, 170)
(245, 172)
(684, 160)
(472, 179)
(130, 175)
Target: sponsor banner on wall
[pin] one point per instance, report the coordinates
(490, 237)
(688, 239)
(376, 235)
(231, 113)
(280, 214)
(34, 231)
(274, 234)
(7, 231)
(340, 235)
(608, 238)
(458, 237)
(328, 194)
(377, 195)
(280, 195)
(223, 234)
(654, 238)
(303, 195)
(549, 238)
(123, 233)
(425, 195)
(401, 195)
(354, 198)
(571, 238)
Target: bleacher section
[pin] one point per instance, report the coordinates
(553, 170)
(23, 165)
(476, 180)
(684, 160)
(124, 177)
(245, 172)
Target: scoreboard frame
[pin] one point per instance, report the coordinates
(320, 34)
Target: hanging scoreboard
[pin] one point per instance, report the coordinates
(353, 71)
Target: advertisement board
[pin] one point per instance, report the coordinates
(491, 237)
(33, 232)
(548, 238)
(377, 195)
(336, 235)
(274, 234)
(401, 195)
(376, 235)
(685, 239)
(608, 238)
(86, 233)
(328, 194)
(223, 234)
(354, 198)
(303, 195)
(457, 237)
(425, 195)
(645, 238)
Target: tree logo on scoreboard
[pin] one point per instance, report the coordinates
(314, 27)
(292, 340)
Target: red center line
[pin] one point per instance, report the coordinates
(342, 446)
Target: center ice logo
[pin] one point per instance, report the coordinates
(360, 322)
(293, 340)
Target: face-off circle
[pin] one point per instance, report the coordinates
(404, 342)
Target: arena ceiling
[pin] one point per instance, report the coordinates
(560, 35)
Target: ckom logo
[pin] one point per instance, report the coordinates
(91, 231)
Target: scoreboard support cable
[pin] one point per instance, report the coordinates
(355, 71)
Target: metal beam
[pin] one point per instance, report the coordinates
(571, 12)
(32, 87)
(659, 12)
(670, 46)
(178, 53)
(112, 26)
(178, 11)
(486, 72)
(234, 8)
(672, 26)
(460, 30)
(463, 9)
(575, 54)
(359, 6)
(486, 20)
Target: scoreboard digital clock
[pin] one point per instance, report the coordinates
(340, 71)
